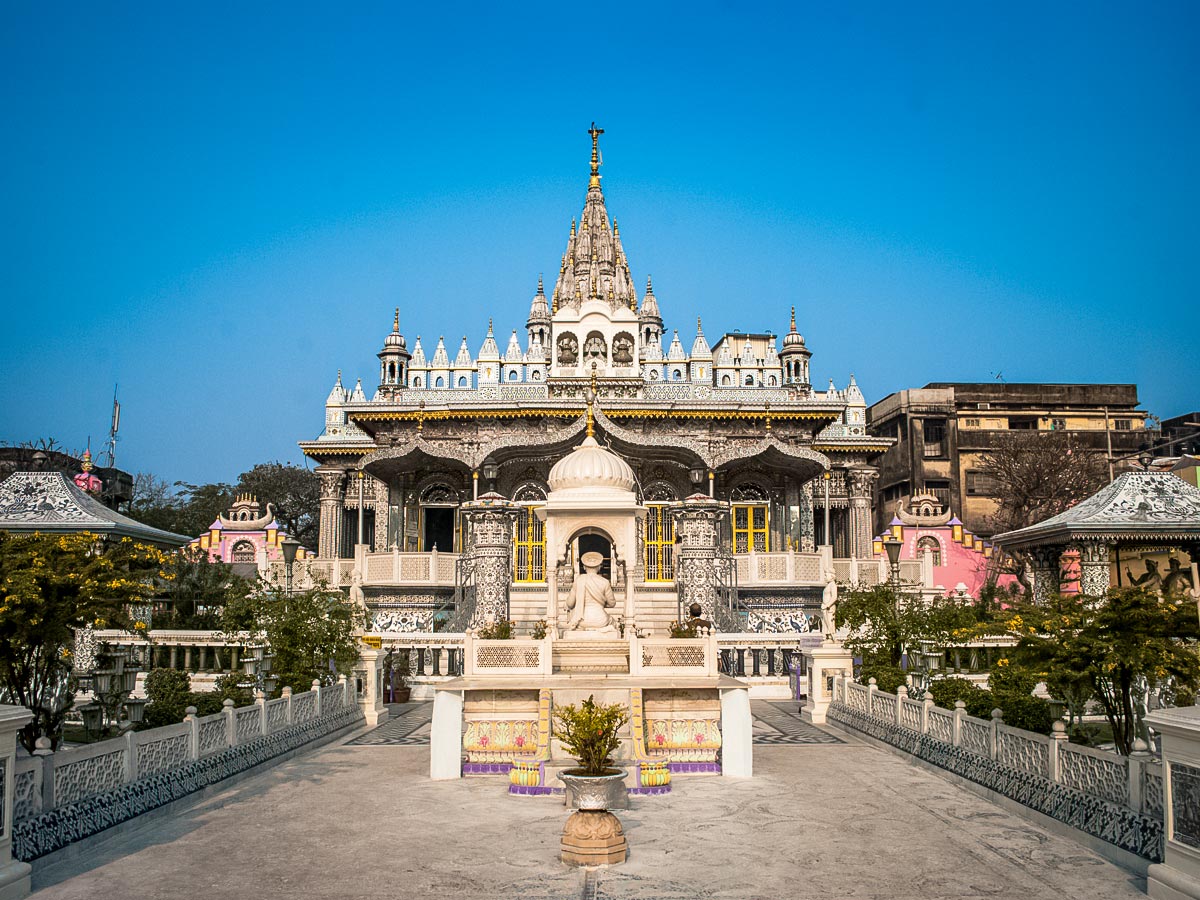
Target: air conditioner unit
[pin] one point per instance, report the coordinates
(983, 406)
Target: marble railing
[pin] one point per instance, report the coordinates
(64, 796)
(1115, 798)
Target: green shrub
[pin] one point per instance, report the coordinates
(887, 676)
(1028, 712)
(500, 630)
(590, 732)
(979, 702)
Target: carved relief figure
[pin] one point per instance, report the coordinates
(1151, 581)
(568, 350)
(590, 597)
(1178, 583)
(357, 599)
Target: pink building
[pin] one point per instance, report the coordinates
(961, 560)
(246, 537)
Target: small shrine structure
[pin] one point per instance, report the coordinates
(1138, 513)
(245, 538)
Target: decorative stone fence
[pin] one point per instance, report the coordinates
(520, 656)
(673, 656)
(62, 797)
(1114, 798)
(768, 662)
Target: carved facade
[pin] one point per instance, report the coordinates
(737, 421)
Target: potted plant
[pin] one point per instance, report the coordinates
(395, 674)
(590, 732)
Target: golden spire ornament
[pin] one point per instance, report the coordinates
(594, 181)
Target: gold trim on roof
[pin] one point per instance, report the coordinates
(571, 413)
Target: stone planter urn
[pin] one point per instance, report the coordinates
(595, 792)
(593, 836)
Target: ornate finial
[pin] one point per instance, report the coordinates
(572, 228)
(594, 181)
(768, 415)
(793, 318)
(396, 322)
(649, 285)
(541, 290)
(699, 326)
(616, 229)
(489, 324)
(591, 400)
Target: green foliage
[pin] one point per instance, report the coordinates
(1120, 642)
(311, 633)
(49, 586)
(197, 589)
(884, 621)
(500, 630)
(538, 630)
(169, 693)
(887, 676)
(1011, 692)
(590, 733)
(946, 691)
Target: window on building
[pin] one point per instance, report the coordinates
(970, 423)
(1022, 423)
(441, 382)
(659, 542)
(1058, 424)
(750, 528)
(462, 381)
(529, 545)
(980, 484)
(931, 546)
(725, 381)
(1122, 424)
(935, 438)
(939, 489)
(676, 375)
(750, 380)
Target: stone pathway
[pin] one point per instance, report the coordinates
(407, 725)
(362, 819)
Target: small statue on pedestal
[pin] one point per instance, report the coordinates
(829, 601)
(590, 597)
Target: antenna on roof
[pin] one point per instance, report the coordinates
(112, 431)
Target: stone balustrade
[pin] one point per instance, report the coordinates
(1114, 798)
(191, 651)
(64, 796)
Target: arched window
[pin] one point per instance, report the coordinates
(513, 374)
(930, 545)
(243, 552)
(529, 535)
(750, 380)
(751, 523)
(536, 375)
(772, 381)
(391, 371)
(676, 375)
(654, 374)
(462, 381)
(417, 381)
(725, 382)
(441, 382)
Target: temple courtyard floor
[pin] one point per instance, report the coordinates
(825, 816)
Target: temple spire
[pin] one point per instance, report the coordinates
(594, 181)
(396, 321)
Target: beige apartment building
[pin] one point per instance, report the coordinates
(943, 431)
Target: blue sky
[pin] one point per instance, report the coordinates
(217, 206)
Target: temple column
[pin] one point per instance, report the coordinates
(490, 521)
(861, 483)
(1094, 570)
(333, 486)
(697, 536)
(1044, 562)
(808, 531)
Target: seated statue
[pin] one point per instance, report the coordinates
(590, 598)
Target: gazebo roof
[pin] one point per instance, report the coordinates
(49, 502)
(1138, 506)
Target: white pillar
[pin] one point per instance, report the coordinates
(1177, 877)
(371, 700)
(737, 733)
(14, 875)
(445, 736)
(824, 663)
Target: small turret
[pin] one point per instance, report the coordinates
(794, 357)
(701, 359)
(358, 396)
(464, 368)
(650, 321)
(514, 360)
(394, 357)
(538, 324)
(488, 362)
(418, 367)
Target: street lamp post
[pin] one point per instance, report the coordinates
(289, 546)
(892, 545)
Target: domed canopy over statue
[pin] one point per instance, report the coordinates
(590, 599)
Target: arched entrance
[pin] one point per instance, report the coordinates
(598, 543)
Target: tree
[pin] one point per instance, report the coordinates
(886, 622)
(312, 633)
(1125, 643)
(295, 492)
(1038, 474)
(198, 589)
(51, 585)
(154, 502)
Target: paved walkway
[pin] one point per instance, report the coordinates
(825, 816)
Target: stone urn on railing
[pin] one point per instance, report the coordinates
(590, 732)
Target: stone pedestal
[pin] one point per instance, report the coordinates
(370, 669)
(593, 838)
(445, 736)
(1178, 876)
(737, 733)
(14, 875)
(824, 664)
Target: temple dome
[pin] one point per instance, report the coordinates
(591, 466)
